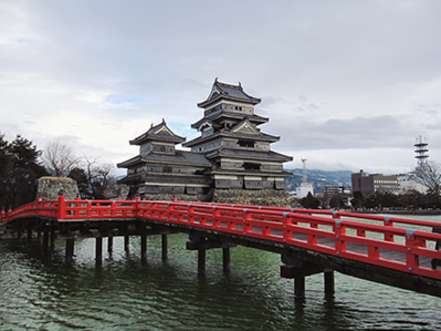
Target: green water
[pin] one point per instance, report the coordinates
(126, 295)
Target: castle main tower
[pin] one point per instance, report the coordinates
(230, 138)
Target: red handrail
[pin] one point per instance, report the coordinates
(336, 233)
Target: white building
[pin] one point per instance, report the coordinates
(303, 189)
(407, 183)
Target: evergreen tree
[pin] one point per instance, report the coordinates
(20, 172)
(310, 201)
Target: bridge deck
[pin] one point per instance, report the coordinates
(407, 249)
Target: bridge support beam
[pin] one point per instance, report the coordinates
(143, 248)
(164, 247)
(201, 242)
(99, 251)
(296, 268)
(70, 247)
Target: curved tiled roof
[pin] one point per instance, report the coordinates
(228, 92)
(160, 132)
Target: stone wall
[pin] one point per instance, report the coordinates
(254, 197)
(50, 187)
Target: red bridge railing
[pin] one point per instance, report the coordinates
(373, 239)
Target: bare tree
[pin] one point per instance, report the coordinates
(59, 159)
(99, 177)
(429, 175)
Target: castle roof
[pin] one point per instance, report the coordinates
(250, 155)
(230, 115)
(257, 137)
(160, 133)
(180, 158)
(224, 91)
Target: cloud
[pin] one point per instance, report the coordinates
(333, 77)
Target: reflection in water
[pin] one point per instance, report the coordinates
(125, 294)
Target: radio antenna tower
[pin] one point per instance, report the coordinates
(421, 151)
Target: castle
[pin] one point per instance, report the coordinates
(230, 161)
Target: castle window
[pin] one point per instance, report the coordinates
(167, 169)
(246, 143)
(251, 166)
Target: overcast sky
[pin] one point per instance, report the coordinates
(346, 84)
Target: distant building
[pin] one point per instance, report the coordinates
(336, 189)
(362, 183)
(231, 158)
(369, 183)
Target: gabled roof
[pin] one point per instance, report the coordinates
(160, 132)
(245, 127)
(228, 92)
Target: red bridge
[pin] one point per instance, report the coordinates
(390, 250)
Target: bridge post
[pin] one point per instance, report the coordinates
(126, 242)
(226, 258)
(99, 251)
(164, 248)
(45, 241)
(52, 239)
(143, 248)
(70, 247)
(299, 288)
(110, 244)
(29, 234)
(329, 283)
(201, 260)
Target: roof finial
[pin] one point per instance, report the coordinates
(151, 125)
(163, 120)
(240, 85)
(215, 80)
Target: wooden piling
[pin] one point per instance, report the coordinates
(226, 259)
(70, 246)
(143, 248)
(164, 248)
(52, 240)
(126, 243)
(329, 283)
(110, 244)
(29, 234)
(45, 243)
(201, 261)
(99, 251)
(299, 288)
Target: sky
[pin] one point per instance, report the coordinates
(346, 84)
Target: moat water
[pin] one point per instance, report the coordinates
(126, 295)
